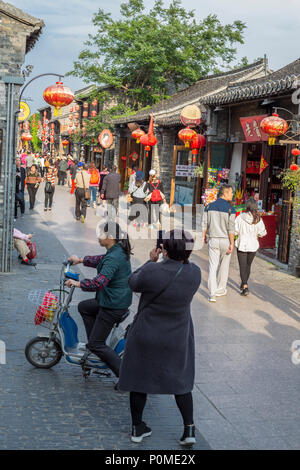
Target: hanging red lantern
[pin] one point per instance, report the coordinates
(294, 167)
(274, 126)
(187, 135)
(77, 107)
(137, 134)
(71, 117)
(26, 137)
(149, 140)
(94, 113)
(124, 158)
(198, 142)
(52, 140)
(71, 109)
(295, 152)
(95, 103)
(65, 143)
(52, 132)
(58, 96)
(70, 131)
(85, 114)
(85, 105)
(43, 138)
(76, 124)
(52, 125)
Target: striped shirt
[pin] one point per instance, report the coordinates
(50, 177)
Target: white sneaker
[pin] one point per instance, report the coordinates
(212, 298)
(221, 293)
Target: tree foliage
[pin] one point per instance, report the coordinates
(145, 53)
(36, 141)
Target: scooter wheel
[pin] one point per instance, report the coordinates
(42, 354)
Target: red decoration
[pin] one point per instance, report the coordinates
(295, 152)
(187, 135)
(76, 115)
(274, 126)
(52, 139)
(149, 140)
(65, 143)
(137, 134)
(263, 165)
(70, 131)
(197, 143)
(95, 103)
(85, 105)
(294, 167)
(135, 156)
(58, 96)
(94, 113)
(26, 137)
(71, 109)
(52, 125)
(85, 114)
(71, 117)
(77, 107)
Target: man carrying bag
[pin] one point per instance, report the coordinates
(82, 192)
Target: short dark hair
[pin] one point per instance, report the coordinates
(223, 188)
(178, 244)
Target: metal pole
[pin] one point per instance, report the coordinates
(4, 236)
(12, 186)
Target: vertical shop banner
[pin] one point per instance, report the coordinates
(252, 130)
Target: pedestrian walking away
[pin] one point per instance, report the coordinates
(111, 190)
(62, 171)
(20, 187)
(49, 179)
(155, 198)
(159, 355)
(73, 171)
(249, 226)
(20, 244)
(82, 181)
(138, 192)
(103, 174)
(113, 294)
(219, 232)
(94, 183)
(33, 181)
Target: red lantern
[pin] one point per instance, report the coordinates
(94, 103)
(71, 117)
(52, 132)
(187, 135)
(26, 137)
(71, 109)
(65, 143)
(43, 138)
(52, 125)
(124, 158)
(85, 114)
(94, 113)
(294, 167)
(149, 140)
(58, 96)
(76, 115)
(137, 134)
(274, 126)
(70, 131)
(197, 143)
(52, 139)
(76, 124)
(85, 105)
(77, 107)
(295, 152)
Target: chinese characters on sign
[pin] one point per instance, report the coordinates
(252, 130)
(185, 170)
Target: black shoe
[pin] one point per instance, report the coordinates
(45, 209)
(139, 432)
(245, 291)
(77, 218)
(28, 263)
(188, 436)
(241, 287)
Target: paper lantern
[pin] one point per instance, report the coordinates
(294, 167)
(70, 131)
(187, 135)
(76, 115)
(85, 105)
(137, 134)
(85, 114)
(71, 109)
(26, 137)
(274, 126)
(65, 143)
(58, 96)
(94, 113)
(295, 152)
(198, 142)
(95, 103)
(52, 139)
(77, 107)
(71, 117)
(149, 140)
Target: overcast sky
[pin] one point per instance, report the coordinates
(272, 28)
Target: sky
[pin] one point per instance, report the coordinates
(272, 29)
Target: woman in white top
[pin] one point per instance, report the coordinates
(248, 227)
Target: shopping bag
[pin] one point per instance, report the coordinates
(32, 247)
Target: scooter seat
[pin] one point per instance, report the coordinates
(123, 317)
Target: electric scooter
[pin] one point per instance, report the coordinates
(45, 351)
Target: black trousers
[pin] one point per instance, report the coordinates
(19, 200)
(32, 193)
(81, 202)
(245, 261)
(138, 402)
(49, 198)
(98, 324)
(61, 177)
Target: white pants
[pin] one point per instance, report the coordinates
(219, 262)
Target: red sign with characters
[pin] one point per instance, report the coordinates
(252, 130)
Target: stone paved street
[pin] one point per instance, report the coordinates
(247, 388)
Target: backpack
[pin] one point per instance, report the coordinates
(155, 196)
(94, 177)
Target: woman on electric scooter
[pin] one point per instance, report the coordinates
(113, 294)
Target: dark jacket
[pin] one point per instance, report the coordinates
(63, 166)
(73, 171)
(111, 186)
(159, 356)
(20, 180)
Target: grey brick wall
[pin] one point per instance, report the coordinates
(294, 256)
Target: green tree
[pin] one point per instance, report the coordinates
(144, 53)
(36, 141)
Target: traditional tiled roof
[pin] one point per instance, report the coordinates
(34, 25)
(283, 81)
(167, 112)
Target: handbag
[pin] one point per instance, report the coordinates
(86, 191)
(32, 247)
(156, 296)
(48, 187)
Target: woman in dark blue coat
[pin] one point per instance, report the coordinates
(159, 356)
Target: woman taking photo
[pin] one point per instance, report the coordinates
(49, 179)
(113, 295)
(159, 356)
(248, 227)
(33, 181)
